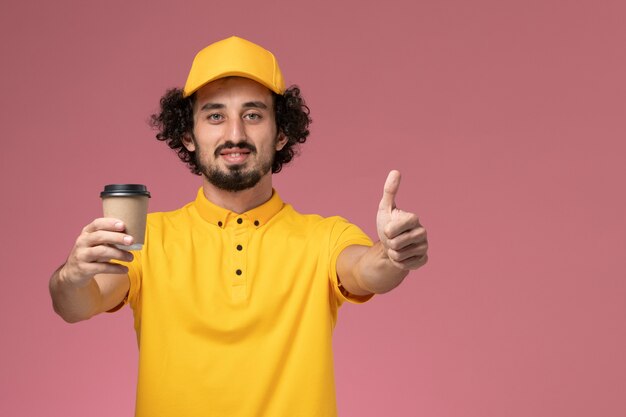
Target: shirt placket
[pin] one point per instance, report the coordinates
(241, 237)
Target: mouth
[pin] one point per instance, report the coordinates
(235, 156)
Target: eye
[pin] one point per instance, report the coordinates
(214, 117)
(253, 116)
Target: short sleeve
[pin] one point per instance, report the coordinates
(134, 276)
(344, 234)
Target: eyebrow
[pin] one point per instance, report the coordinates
(211, 106)
(247, 105)
(255, 104)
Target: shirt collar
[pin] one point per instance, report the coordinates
(221, 217)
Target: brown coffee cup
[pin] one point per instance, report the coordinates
(129, 203)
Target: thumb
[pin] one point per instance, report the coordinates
(388, 202)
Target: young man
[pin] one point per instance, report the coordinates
(235, 295)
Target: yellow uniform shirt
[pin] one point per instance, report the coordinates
(234, 312)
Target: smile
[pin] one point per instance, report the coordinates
(235, 156)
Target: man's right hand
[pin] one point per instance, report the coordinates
(93, 251)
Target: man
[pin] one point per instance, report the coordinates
(235, 295)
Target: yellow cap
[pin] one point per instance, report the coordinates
(234, 57)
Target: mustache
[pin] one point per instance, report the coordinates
(229, 144)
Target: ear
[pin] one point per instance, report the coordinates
(188, 142)
(281, 141)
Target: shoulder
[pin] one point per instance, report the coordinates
(315, 224)
(164, 219)
(290, 216)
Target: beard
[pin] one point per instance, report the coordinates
(235, 177)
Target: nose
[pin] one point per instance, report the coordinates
(236, 130)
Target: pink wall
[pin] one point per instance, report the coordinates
(506, 118)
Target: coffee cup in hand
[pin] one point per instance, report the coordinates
(129, 203)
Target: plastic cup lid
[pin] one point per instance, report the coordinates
(124, 190)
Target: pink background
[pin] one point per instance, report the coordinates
(506, 118)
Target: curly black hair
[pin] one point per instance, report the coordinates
(175, 120)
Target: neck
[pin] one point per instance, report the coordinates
(239, 201)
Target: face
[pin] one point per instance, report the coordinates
(234, 136)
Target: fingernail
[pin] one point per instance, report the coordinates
(128, 239)
(119, 225)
